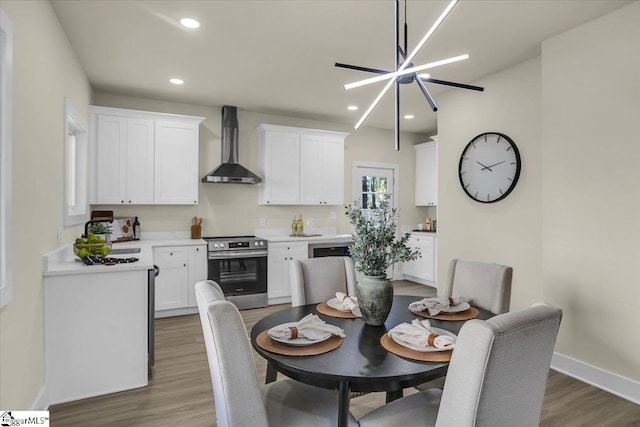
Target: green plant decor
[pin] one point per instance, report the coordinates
(375, 246)
(100, 228)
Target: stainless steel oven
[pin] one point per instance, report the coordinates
(239, 266)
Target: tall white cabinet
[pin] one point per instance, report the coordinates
(141, 157)
(301, 166)
(427, 173)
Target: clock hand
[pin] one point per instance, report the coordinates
(490, 166)
(483, 166)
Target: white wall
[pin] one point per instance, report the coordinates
(506, 232)
(46, 70)
(232, 209)
(570, 227)
(591, 189)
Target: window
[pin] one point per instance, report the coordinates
(75, 207)
(6, 159)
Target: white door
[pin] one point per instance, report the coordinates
(370, 183)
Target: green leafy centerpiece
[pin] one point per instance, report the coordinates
(375, 249)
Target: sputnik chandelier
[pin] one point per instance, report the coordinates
(405, 71)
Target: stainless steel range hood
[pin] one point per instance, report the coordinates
(230, 172)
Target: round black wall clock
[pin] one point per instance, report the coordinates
(489, 167)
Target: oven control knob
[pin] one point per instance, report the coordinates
(261, 243)
(255, 243)
(222, 245)
(215, 245)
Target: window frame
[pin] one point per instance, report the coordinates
(6, 159)
(76, 177)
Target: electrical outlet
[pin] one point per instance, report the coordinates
(59, 234)
(310, 222)
(263, 222)
(333, 215)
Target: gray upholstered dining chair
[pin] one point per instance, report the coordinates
(317, 280)
(487, 285)
(497, 376)
(240, 401)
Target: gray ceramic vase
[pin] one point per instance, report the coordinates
(375, 296)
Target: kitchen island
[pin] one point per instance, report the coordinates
(96, 321)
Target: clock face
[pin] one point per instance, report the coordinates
(489, 167)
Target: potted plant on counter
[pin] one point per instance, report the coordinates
(375, 249)
(101, 229)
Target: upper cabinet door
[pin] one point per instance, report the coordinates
(426, 174)
(176, 163)
(310, 169)
(139, 161)
(110, 159)
(280, 168)
(332, 171)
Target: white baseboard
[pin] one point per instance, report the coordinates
(41, 402)
(613, 383)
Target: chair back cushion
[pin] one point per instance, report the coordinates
(236, 392)
(498, 371)
(317, 280)
(487, 285)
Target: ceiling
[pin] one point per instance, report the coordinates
(278, 56)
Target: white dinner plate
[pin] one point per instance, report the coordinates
(337, 304)
(457, 308)
(422, 349)
(300, 341)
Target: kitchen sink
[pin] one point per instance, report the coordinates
(120, 251)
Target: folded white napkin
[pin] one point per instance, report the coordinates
(419, 333)
(310, 327)
(436, 305)
(349, 303)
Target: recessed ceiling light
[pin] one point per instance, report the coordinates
(352, 107)
(408, 116)
(189, 23)
(177, 81)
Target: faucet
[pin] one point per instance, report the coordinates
(93, 221)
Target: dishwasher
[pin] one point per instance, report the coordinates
(325, 249)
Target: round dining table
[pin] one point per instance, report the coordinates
(360, 363)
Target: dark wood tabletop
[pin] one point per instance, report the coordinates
(360, 364)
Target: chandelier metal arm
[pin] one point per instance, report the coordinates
(453, 84)
(358, 68)
(426, 93)
(397, 81)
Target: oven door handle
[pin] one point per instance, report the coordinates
(237, 254)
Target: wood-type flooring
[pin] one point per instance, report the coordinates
(179, 391)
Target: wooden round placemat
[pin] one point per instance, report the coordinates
(324, 308)
(427, 356)
(471, 313)
(266, 343)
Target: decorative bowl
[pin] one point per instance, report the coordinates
(82, 250)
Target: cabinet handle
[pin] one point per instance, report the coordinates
(121, 201)
(129, 201)
(198, 249)
(185, 265)
(171, 253)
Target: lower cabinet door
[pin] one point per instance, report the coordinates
(171, 283)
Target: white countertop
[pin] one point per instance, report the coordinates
(63, 261)
(326, 235)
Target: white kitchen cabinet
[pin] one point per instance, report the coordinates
(421, 270)
(95, 333)
(197, 270)
(171, 283)
(141, 157)
(124, 154)
(426, 174)
(280, 255)
(301, 166)
(176, 162)
(180, 268)
(321, 170)
(279, 168)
